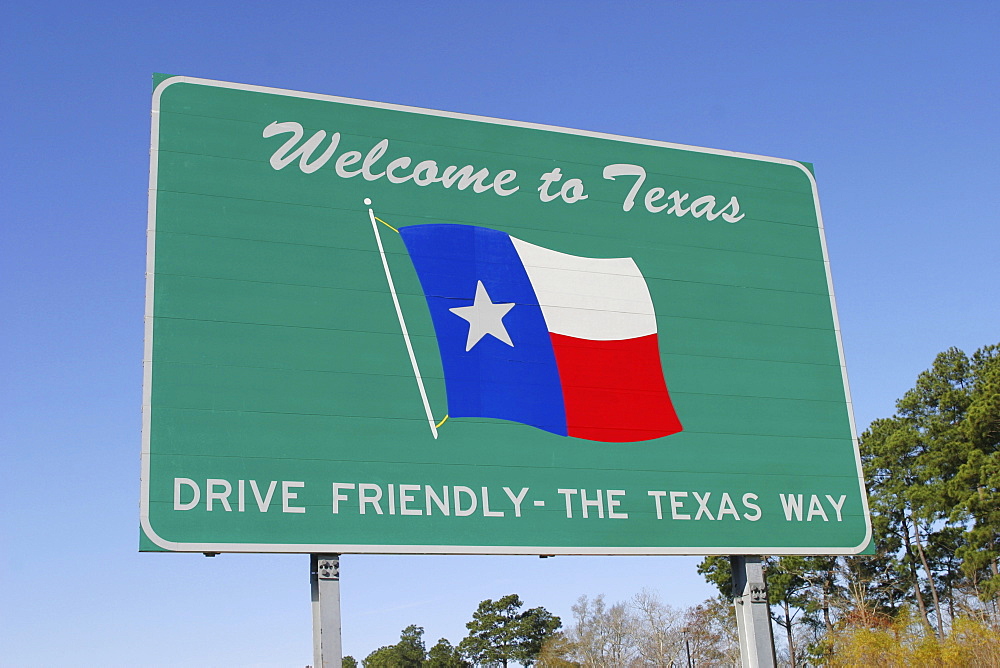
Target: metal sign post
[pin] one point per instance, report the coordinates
(324, 579)
(753, 619)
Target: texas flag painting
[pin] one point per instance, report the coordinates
(563, 343)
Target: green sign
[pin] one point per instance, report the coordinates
(379, 329)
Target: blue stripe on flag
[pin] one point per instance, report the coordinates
(493, 379)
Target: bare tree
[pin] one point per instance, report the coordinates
(601, 636)
(658, 631)
(711, 633)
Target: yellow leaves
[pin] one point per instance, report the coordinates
(971, 644)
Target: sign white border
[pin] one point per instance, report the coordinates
(450, 549)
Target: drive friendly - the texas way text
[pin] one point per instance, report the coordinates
(219, 495)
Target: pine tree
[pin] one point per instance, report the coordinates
(499, 633)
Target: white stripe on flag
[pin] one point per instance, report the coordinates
(602, 299)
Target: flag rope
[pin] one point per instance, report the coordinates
(402, 323)
(386, 224)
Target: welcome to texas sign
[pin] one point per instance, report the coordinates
(373, 328)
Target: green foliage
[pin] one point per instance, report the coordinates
(349, 662)
(445, 655)
(934, 484)
(718, 572)
(499, 633)
(976, 483)
(410, 649)
(383, 657)
(409, 652)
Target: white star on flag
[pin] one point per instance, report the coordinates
(484, 317)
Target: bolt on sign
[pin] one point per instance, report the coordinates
(378, 329)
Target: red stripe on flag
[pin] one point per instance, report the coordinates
(614, 391)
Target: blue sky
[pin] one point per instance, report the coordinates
(894, 103)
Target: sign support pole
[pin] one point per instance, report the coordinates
(324, 580)
(753, 618)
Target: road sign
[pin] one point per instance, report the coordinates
(379, 329)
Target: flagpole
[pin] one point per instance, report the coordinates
(402, 323)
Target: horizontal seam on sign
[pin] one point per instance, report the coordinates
(685, 393)
(288, 368)
(472, 420)
(796, 474)
(682, 219)
(403, 375)
(470, 222)
(290, 285)
(279, 242)
(309, 327)
(740, 287)
(743, 359)
(751, 359)
(826, 295)
(663, 353)
(301, 205)
(674, 393)
(338, 329)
